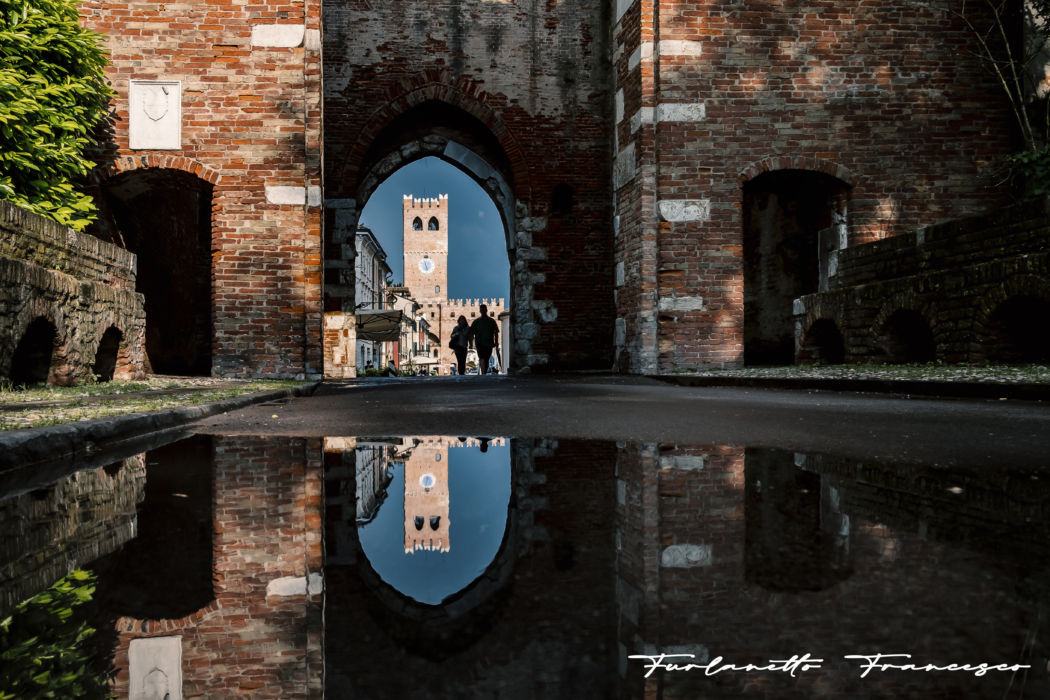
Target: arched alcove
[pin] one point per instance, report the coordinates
(794, 222)
(32, 359)
(106, 355)
(1019, 330)
(822, 344)
(906, 337)
(163, 215)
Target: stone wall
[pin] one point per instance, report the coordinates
(711, 96)
(953, 280)
(78, 285)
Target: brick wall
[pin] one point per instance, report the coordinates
(712, 95)
(250, 126)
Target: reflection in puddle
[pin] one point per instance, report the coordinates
(427, 567)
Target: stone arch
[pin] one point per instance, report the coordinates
(107, 354)
(172, 236)
(796, 162)
(466, 134)
(794, 222)
(822, 343)
(1013, 322)
(34, 359)
(904, 331)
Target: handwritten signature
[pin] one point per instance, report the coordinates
(801, 663)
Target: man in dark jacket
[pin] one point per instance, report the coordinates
(485, 332)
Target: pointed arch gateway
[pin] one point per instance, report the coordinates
(432, 128)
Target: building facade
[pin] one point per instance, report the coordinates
(371, 273)
(668, 179)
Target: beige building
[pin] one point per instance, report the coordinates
(425, 238)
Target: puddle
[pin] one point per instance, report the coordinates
(459, 566)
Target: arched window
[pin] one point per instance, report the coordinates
(432, 225)
(417, 224)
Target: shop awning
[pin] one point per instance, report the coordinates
(379, 324)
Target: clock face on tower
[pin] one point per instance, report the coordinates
(426, 265)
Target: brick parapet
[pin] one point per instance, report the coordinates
(38, 240)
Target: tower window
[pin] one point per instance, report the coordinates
(437, 289)
(417, 224)
(432, 225)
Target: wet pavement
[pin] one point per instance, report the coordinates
(562, 538)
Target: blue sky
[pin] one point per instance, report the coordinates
(477, 257)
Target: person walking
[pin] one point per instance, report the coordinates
(485, 333)
(459, 341)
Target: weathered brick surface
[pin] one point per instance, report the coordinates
(250, 120)
(79, 284)
(715, 94)
(955, 275)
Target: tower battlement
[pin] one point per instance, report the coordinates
(410, 202)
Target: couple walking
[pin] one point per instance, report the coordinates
(485, 334)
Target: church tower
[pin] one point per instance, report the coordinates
(425, 240)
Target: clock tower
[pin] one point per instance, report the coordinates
(425, 241)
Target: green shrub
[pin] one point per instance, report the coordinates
(45, 646)
(53, 94)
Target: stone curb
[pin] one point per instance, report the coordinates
(909, 387)
(28, 446)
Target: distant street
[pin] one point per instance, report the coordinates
(633, 409)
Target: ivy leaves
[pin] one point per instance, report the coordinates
(44, 645)
(53, 94)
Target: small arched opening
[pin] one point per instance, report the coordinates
(163, 215)
(1019, 331)
(106, 355)
(822, 344)
(32, 359)
(906, 337)
(794, 224)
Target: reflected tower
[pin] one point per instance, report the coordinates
(427, 498)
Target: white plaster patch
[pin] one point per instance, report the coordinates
(686, 556)
(155, 668)
(682, 304)
(624, 169)
(312, 42)
(295, 585)
(635, 59)
(798, 307)
(281, 194)
(670, 47)
(620, 274)
(155, 114)
(278, 35)
(618, 105)
(685, 462)
(616, 225)
(620, 333)
(681, 112)
(621, 492)
(313, 195)
(677, 210)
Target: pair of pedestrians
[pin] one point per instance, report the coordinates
(485, 334)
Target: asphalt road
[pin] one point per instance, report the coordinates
(950, 432)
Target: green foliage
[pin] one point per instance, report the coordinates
(1033, 167)
(45, 646)
(53, 94)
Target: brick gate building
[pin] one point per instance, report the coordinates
(670, 176)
